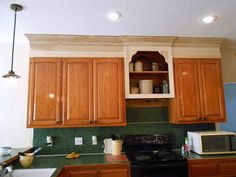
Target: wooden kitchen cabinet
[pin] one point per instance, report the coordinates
(107, 170)
(199, 92)
(76, 92)
(212, 168)
(88, 173)
(44, 100)
(114, 173)
(109, 92)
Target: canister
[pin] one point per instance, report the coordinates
(146, 86)
(138, 66)
(131, 66)
(116, 147)
(134, 90)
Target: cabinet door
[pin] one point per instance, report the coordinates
(203, 169)
(88, 173)
(211, 89)
(228, 168)
(187, 90)
(114, 173)
(109, 105)
(44, 102)
(77, 92)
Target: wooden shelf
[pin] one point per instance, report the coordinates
(148, 55)
(148, 72)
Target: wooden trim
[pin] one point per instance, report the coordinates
(90, 40)
(142, 103)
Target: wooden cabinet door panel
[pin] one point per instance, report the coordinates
(44, 108)
(109, 102)
(114, 173)
(92, 173)
(203, 169)
(227, 168)
(77, 92)
(187, 89)
(211, 90)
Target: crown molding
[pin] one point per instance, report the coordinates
(57, 42)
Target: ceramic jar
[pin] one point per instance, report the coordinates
(138, 66)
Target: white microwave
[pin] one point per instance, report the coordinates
(212, 142)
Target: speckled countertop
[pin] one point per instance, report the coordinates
(59, 161)
(194, 156)
(13, 154)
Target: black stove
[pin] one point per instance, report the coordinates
(151, 156)
(157, 156)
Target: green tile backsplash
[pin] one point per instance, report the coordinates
(139, 121)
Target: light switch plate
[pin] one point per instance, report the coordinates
(78, 141)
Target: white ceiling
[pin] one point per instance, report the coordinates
(139, 17)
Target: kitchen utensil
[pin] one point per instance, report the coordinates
(116, 147)
(107, 146)
(26, 160)
(36, 151)
(131, 66)
(155, 66)
(134, 90)
(146, 86)
(138, 66)
(5, 151)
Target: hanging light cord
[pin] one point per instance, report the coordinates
(13, 41)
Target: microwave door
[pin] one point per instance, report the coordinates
(233, 142)
(218, 143)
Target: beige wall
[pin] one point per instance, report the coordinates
(228, 64)
(13, 101)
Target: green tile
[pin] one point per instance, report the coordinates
(140, 121)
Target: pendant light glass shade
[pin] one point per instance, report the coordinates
(11, 73)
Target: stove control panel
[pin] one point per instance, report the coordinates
(159, 139)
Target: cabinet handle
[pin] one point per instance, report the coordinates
(95, 121)
(204, 118)
(200, 118)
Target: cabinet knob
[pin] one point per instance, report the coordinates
(204, 118)
(90, 121)
(95, 121)
(200, 118)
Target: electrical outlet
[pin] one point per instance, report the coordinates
(94, 140)
(78, 141)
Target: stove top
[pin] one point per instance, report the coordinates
(159, 156)
(151, 148)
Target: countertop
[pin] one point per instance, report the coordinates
(194, 156)
(59, 161)
(13, 154)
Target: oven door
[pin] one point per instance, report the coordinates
(167, 169)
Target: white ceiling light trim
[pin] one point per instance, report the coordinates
(114, 15)
(209, 19)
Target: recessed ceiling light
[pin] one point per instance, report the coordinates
(209, 19)
(114, 15)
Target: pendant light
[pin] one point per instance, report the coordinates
(11, 74)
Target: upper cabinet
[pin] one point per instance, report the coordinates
(199, 92)
(76, 92)
(149, 72)
(44, 99)
(109, 97)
